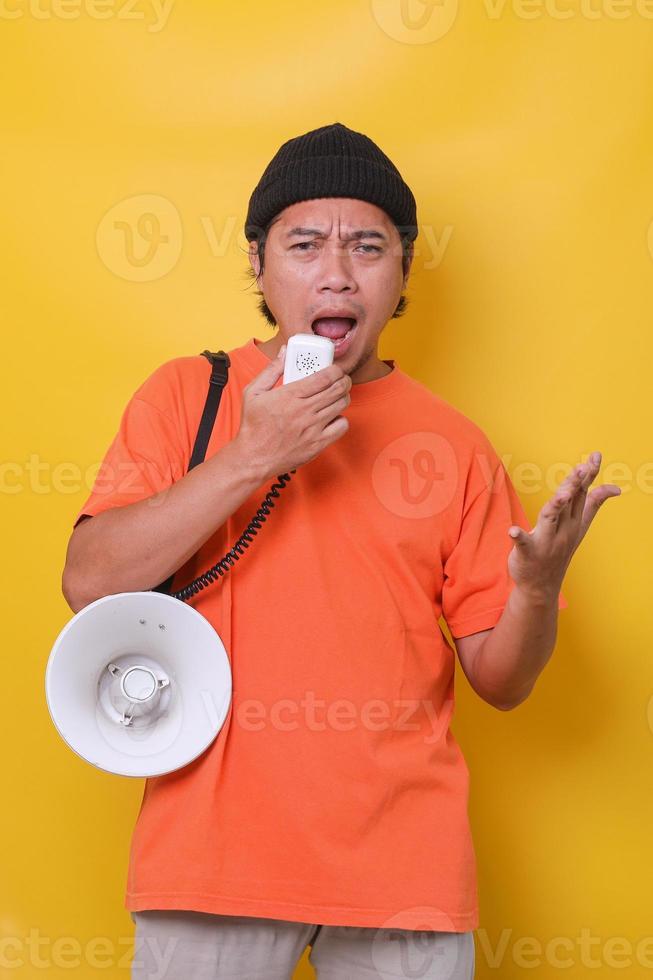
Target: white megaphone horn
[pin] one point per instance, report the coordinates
(138, 683)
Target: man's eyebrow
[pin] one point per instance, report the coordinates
(359, 233)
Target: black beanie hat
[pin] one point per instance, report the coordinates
(332, 161)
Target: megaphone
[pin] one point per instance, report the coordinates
(138, 683)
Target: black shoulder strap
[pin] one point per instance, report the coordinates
(220, 364)
(220, 370)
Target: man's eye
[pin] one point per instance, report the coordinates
(370, 248)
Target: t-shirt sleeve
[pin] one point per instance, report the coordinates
(477, 582)
(146, 455)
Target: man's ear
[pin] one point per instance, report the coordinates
(409, 258)
(255, 261)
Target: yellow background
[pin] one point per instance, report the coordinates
(524, 132)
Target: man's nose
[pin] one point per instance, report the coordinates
(336, 268)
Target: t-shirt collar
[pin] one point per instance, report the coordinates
(255, 360)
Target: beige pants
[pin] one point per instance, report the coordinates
(179, 945)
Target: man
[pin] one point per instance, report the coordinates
(332, 808)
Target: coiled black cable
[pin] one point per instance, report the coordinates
(221, 567)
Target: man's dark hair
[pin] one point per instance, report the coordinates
(264, 309)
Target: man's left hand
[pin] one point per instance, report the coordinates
(539, 560)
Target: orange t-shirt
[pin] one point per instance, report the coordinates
(335, 792)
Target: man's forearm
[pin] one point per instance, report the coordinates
(134, 547)
(518, 648)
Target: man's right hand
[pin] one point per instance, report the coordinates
(284, 426)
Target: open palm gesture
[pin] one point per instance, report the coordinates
(540, 557)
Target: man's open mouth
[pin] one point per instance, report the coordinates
(336, 328)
